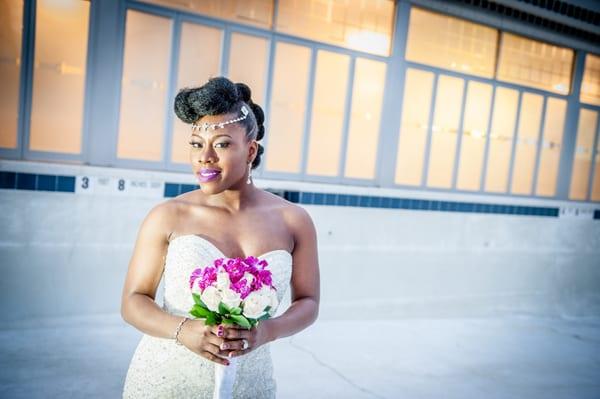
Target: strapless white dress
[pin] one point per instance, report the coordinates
(160, 368)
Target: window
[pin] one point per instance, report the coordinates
(500, 139)
(528, 131)
(451, 43)
(474, 135)
(535, 64)
(590, 85)
(445, 127)
(365, 116)
(550, 150)
(354, 24)
(251, 12)
(288, 106)
(61, 36)
(582, 159)
(414, 126)
(326, 128)
(11, 20)
(144, 86)
(241, 49)
(199, 60)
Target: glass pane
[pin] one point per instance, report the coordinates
(250, 12)
(199, 60)
(418, 87)
(355, 24)
(596, 182)
(61, 34)
(535, 64)
(528, 133)
(446, 118)
(365, 116)
(144, 86)
(254, 74)
(475, 125)
(501, 135)
(11, 24)
(451, 43)
(582, 159)
(554, 123)
(325, 141)
(288, 104)
(590, 85)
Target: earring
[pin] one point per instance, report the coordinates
(249, 173)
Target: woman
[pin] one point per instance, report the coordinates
(226, 217)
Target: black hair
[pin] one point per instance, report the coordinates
(221, 96)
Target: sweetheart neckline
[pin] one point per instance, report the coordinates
(221, 252)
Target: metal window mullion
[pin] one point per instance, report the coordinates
(347, 118)
(26, 76)
(225, 46)
(425, 164)
(171, 90)
(538, 151)
(594, 151)
(308, 112)
(511, 161)
(487, 136)
(459, 134)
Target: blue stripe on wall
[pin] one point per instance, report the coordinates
(28, 181)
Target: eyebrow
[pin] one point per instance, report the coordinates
(218, 135)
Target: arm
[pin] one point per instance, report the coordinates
(305, 284)
(138, 307)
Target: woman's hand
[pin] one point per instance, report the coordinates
(204, 340)
(234, 336)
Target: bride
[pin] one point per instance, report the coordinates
(228, 216)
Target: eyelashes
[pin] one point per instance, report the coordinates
(196, 145)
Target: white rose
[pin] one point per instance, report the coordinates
(231, 298)
(255, 304)
(211, 297)
(223, 281)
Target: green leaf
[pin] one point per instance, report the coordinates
(268, 308)
(227, 321)
(224, 309)
(199, 301)
(241, 320)
(236, 310)
(212, 319)
(200, 310)
(264, 317)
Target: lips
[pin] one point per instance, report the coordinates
(206, 175)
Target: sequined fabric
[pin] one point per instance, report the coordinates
(160, 368)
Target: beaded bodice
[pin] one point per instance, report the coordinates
(160, 368)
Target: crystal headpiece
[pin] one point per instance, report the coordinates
(205, 126)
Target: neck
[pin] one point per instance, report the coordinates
(234, 199)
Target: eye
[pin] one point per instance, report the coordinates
(225, 144)
(195, 145)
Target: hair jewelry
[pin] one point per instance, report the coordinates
(205, 126)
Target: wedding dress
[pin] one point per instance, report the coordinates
(160, 368)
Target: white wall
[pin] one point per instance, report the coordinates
(67, 253)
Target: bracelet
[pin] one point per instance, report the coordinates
(176, 335)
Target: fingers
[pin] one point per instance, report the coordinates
(215, 358)
(236, 333)
(230, 345)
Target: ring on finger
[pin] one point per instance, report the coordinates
(245, 344)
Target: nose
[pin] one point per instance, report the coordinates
(207, 155)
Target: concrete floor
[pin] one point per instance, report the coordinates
(511, 357)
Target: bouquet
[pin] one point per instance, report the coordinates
(232, 291)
